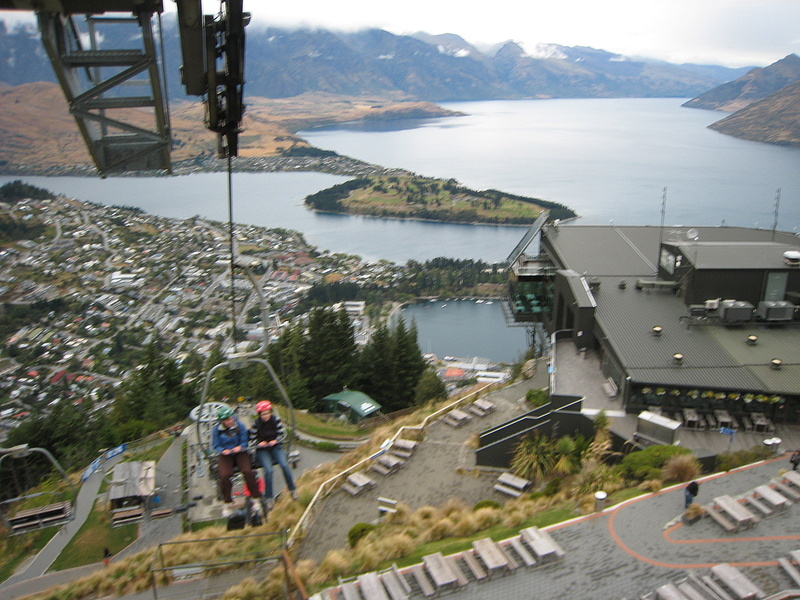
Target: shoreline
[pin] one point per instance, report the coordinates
(421, 220)
(343, 166)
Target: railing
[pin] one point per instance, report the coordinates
(324, 488)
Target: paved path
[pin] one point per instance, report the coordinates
(34, 576)
(632, 549)
(81, 509)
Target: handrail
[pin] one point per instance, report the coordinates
(299, 526)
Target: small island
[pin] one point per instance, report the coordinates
(415, 197)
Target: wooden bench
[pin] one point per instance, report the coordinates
(356, 483)
(513, 565)
(669, 591)
(379, 468)
(785, 490)
(698, 583)
(371, 587)
(401, 453)
(504, 489)
(351, 489)
(542, 544)
(790, 570)
(758, 505)
(350, 591)
(792, 478)
(776, 500)
(461, 579)
(739, 585)
(126, 515)
(610, 388)
(456, 418)
(716, 588)
(422, 580)
(395, 584)
(484, 405)
(42, 516)
(476, 410)
(511, 484)
(474, 565)
(390, 461)
(690, 592)
(161, 513)
(725, 523)
(520, 549)
(387, 506)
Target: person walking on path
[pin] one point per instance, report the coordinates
(269, 434)
(229, 439)
(795, 460)
(690, 493)
(106, 556)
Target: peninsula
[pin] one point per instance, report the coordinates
(415, 197)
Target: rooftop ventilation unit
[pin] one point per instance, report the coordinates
(735, 311)
(776, 310)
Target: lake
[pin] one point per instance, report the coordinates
(466, 329)
(606, 159)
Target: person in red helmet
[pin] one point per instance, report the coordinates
(269, 434)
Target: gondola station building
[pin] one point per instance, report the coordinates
(704, 319)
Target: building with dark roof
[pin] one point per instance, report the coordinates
(701, 318)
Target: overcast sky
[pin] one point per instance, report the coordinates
(726, 32)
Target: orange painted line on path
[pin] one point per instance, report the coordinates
(667, 534)
(625, 548)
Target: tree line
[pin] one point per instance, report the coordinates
(312, 360)
(320, 357)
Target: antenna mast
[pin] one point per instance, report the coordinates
(663, 213)
(777, 206)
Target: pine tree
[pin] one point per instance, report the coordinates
(410, 365)
(329, 353)
(429, 387)
(378, 369)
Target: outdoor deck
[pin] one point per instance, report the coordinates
(579, 374)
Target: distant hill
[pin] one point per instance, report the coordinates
(283, 63)
(774, 120)
(39, 134)
(756, 85)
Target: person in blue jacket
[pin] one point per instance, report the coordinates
(229, 439)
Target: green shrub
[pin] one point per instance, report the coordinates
(326, 446)
(647, 463)
(732, 460)
(537, 398)
(486, 504)
(358, 531)
(552, 487)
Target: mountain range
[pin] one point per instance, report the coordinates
(765, 103)
(755, 85)
(283, 63)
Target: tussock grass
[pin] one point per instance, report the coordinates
(683, 467)
(651, 485)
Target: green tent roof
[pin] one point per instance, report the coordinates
(359, 402)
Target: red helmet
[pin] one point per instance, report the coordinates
(263, 405)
